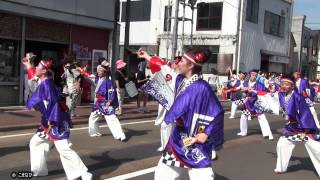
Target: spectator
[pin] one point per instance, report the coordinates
(72, 88)
(120, 79)
(213, 80)
(141, 80)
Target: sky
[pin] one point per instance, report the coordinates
(310, 8)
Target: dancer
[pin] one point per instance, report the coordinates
(255, 88)
(197, 118)
(300, 127)
(105, 104)
(236, 94)
(54, 127)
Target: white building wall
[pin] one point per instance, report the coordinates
(225, 37)
(143, 32)
(254, 39)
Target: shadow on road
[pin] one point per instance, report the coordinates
(10, 150)
(131, 133)
(303, 163)
(105, 161)
(219, 177)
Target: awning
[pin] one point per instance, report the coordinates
(276, 57)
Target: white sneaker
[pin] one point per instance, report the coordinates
(241, 134)
(160, 149)
(123, 138)
(86, 176)
(231, 117)
(214, 155)
(96, 135)
(271, 138)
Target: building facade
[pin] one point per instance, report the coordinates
(264, 32)
(50, 28)
(306, 52)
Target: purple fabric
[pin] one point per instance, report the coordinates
(109, 93)
(238, 95)
(252, 98)
(195, 110)
(299, 114)
(55, 113)
(305, 87)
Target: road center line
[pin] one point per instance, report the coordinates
(77, 129)
(133, 174)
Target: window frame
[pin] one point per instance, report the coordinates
(252, 14)
(211, 6)
(276, 26)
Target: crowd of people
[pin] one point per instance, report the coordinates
(191, 127)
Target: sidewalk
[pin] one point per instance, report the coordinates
(18, 117)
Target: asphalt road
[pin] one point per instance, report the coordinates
(241, 158)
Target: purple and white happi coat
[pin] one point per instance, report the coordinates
(250, 106)
(104, 93)
(48, 101)
(195, 110)
(299, 117)
(236, 93)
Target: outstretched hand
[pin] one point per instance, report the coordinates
(143, 54)
(26, 62)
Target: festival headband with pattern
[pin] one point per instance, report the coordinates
(46, 64)
(190, 59)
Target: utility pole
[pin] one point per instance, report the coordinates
(127, 31)
(183, 20)
(169, 18)
(114, 36)
(175, 31)
(237, 59)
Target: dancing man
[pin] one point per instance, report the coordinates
(255, 88)
(236, 94)
(300, 127)
(197, 118)
(54, 126)
(105, 104)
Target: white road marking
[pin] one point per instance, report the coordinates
(82, 128)
(133, 174)
(77, 129)
(14, 111)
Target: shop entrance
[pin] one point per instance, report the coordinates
(45, 50)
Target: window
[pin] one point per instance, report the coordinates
(252, 12)
(209, 16)
(274, 24)
(139, 11)
(167, 18)
(9, 63)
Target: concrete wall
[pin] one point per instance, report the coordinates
(253, 38)
(92, 13)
